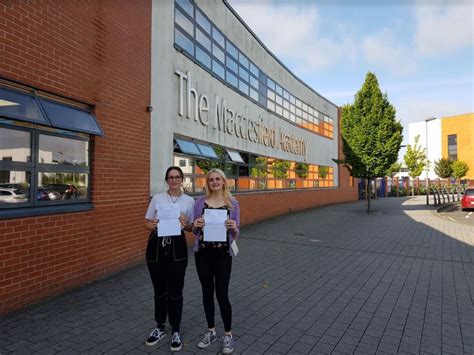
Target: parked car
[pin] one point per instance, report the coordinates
(67, 191)
(9, 185)
(47, 195)
(467, 200)
(11, 195)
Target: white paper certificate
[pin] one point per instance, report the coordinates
(214, 227)
(168, 217)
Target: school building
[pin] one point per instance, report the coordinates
(98, 98)
(446, 137)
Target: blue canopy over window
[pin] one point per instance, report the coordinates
(24, 106)
(71, 118)
(207, 151)
(188, 147)
(21, 106)
(235, 156)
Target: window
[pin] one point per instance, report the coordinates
(232, 65)
(203, 57)
(184, 22)
(218, 37)
(453, 146)
(184, 42)
(203, 21)
(203, 40)
(218, 69)
(232, 50)
(218, 53)
(47, 164)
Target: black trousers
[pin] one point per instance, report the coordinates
(214, 266)
(167, 276)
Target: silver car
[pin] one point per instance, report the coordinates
(12, 195)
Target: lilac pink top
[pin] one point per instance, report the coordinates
(234, 214)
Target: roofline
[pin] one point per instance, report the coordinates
(270, 52)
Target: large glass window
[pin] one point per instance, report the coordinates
(59, 170)
(40, 165)
(249, 172)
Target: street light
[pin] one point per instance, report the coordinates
(427, 160)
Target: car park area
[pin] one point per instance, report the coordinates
(456, 214)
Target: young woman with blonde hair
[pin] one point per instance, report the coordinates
(214, 259)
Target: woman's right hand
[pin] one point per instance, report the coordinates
(151, 224)
(199, 223)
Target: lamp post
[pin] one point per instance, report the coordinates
(427, 160)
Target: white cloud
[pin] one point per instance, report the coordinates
(413, 109)
(381, 50)
(292, 33)
(443, 29)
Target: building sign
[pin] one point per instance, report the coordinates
(218, 115)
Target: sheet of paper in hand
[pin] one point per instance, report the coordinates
(214, 227)
(168, 217)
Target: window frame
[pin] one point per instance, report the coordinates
(34, 168)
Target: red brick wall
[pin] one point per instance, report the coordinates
(96, 52)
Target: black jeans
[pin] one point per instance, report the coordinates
(167, 276)
(214, 266)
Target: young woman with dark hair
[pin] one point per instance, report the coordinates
(167, 259)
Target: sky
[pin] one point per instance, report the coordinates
(422, 52)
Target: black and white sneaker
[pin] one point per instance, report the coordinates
(228, 344)
(208, 338)
(176, 344)
(155, 336)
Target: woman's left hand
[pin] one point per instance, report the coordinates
(231, 224)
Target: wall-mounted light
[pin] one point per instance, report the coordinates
(149, 108)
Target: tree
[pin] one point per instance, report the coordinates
(301, 170)
(394, 169)
(415, 160)
(323, 172)
(460, 169)
(443, 168)
(371, 136)
(279, 169)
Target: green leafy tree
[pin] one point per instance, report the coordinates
(443, 168)
(394, 169)
(323, 172)
(460, 169)
(279, 169)
(415, 160)
(371, 136)
(259, 168)
(301, 170)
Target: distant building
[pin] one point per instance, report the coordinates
(446, 137)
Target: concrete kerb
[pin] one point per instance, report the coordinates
(447, 207)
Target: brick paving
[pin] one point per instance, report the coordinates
(328, 280)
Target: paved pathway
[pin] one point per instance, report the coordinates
(328, 280)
